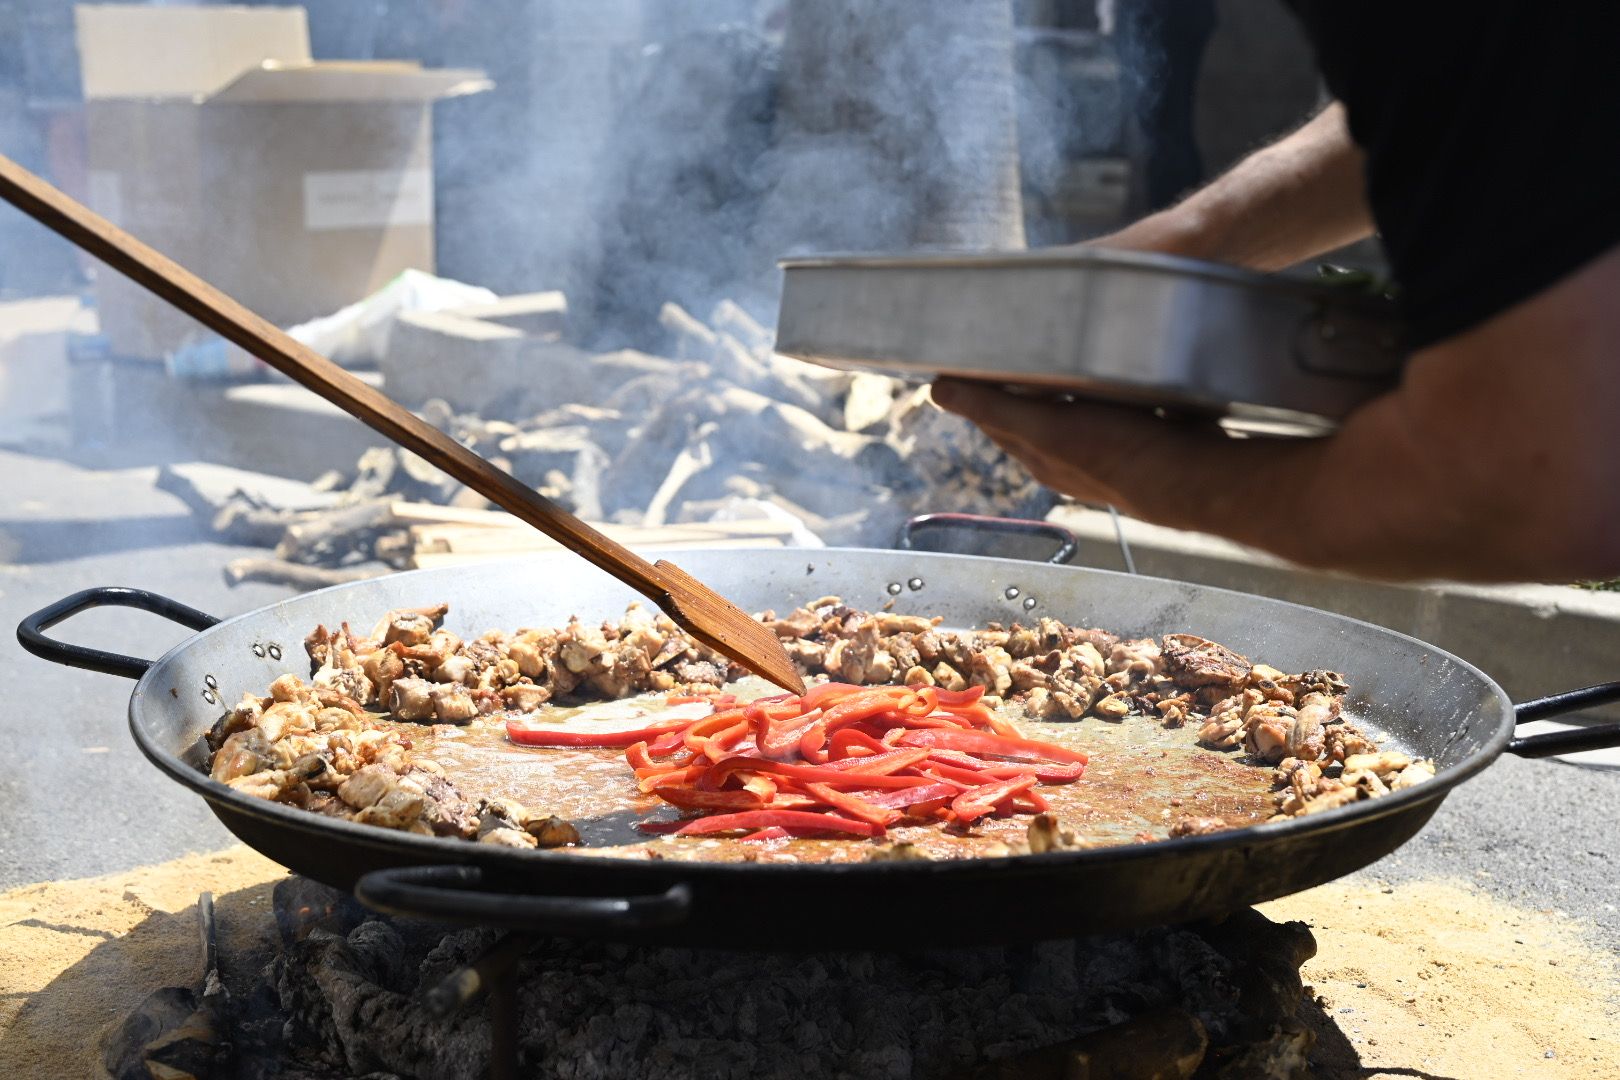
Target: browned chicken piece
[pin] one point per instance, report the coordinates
(1224, 728)
(948, 678)
(551, 831)
(991, 668)
(1131, 662)
(343, 669)
(849, 657)
(1385, 763)
(1342, 741)
(1047, 833)
(1331, 794)
(918, 676)
(242, 754)
(1269, 729)
(410, 626)
(276, 785)
(1317, 680)
(1174, 710)
(1414, 774)
(799, 623)
(452, 703)
(1270, 682)
(810, 655)
(890, 623)
(525, 697)
(1115, 706)
(1195, 661)
(1196, 826)
(410, 699)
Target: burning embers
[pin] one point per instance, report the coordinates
(346, 993)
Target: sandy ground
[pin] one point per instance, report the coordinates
(1428, 979)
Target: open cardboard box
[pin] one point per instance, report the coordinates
(295, 186)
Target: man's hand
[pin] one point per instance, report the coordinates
(1498, 457)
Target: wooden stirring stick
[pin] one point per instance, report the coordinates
(699, 610)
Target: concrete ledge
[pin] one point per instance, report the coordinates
(1532, 639)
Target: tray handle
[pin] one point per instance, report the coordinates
(31, 631)
(1575, 740)
(456, 894)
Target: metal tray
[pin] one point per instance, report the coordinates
(1268, 353)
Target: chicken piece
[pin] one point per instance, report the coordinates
(286, 717)
(991, 668)
(1115, 706)
(1341, 741)
(1196, 826)
(1224, 728)
(1023, 642)
(948, 678)
(288, 688)
(1174, 710)
(799, 623)
(400, 808)
(1317, 680)
(581, 647)
(1195, 661)
(1331, 794)
(1135, 659)
(242, 754)
(525, 697)
(409, 626)
(410, 699)
(1414, 774)
(381, 667)
(452, 703)
(1306, 738)
(505, 837)
(850, 659)
(1047, 833)
(1026, 677)
(551, 831)
(367, 786)
(1268, 731)
(276, 785)
(1384, 764)
(809, 655)
(898, 851)
(1366, 781)
(918, 676)
(1270, 682)
(890, 623)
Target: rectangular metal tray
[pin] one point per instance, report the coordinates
(1268, 353)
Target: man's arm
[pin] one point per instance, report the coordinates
(1497, 458)
(1299, 197)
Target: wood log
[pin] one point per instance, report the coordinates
(299, 576)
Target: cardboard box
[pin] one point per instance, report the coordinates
(295, 186)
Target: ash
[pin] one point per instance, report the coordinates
(353, 998)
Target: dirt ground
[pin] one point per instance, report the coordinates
(1431, 979)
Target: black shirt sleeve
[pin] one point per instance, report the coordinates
(1492, 134)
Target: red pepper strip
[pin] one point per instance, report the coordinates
(852, 742)
(863, 706)
(775, 832)
(783, 738)
(765, 714)
(528, 736)
(688, 798)
(668, 743)
(639, 759)
(1046, 772)
(762, 786)
(730, 737)
(983, 742)
(970, 777)
(1002, 726)
(924, 700)
(965, 761)
(680, 777)
(886, 764)
(813, 697)
(787, 819)
(938, 777)
(685, 699)
(853, 805)
(892, 736)
(1031, 802)
(956, 699)
(698, 734)
(979, 801)
(812, 744)
(911, 796)
(809, 773)
(937, 720)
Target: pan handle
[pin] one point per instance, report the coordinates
(454, 894)
(31, 631)
(1067, 544)
(1575, 740)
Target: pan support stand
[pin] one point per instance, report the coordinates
(493, 975)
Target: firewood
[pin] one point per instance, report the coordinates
(299, 576)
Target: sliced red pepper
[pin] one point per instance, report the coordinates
(957, 699)
(983, 742)
(795, 820)
(813, 697)
(809, 774)
(853, 805)
(887, 763)
(851, 741)
(775, 832)
(528, 736)
(977, 802)
(639, 759)
(1047, 772)
(911, 796)
(682, 776)
(689, 798)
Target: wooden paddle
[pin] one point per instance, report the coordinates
(699, 610)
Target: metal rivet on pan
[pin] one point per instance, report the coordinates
(914, 584)
(894, 588)
(210, 697)
(1011, 592)
(258, 650)
(1029, 603)
(275, 651)
(211, 682)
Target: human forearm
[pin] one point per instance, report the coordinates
(1497, 459)
(1297, 198)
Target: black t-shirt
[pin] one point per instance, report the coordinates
(1492, 134)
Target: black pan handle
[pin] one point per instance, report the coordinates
(1067, 544)
(1575, 740)
(453, 893)
(31, 631)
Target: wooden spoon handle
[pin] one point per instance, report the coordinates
(237, 324)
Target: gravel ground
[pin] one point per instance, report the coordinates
(1537, 833)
